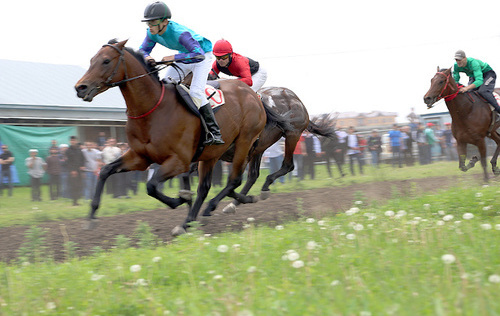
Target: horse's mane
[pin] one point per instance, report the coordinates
(140, 57)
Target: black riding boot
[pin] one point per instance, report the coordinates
(213, 132)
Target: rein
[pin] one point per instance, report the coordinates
(448, 97)
(114, 84)
(127, 79)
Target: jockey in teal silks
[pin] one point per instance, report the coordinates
(195, 55)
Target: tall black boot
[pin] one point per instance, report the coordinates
(213, 132)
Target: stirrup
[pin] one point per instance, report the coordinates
(212, 140)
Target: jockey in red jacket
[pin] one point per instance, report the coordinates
(236, 65)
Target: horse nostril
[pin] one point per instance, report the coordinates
(81, 87)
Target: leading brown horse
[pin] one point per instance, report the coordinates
(161, 130)
(471, 119)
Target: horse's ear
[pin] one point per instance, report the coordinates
(122, 44)
(438, 69)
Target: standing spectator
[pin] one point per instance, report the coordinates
(363, 144)
(298, 159)
(395, 137)
(64, 171)
(275, 155)
(353, 151)
(407, 145)
(109, 154)
(101, 141)
(342, 149)
(75, 162)
(54, 172)
(431, 139)
(6, 160)
(36, 170)
(375, 147)
(124, 181)
(313, 150)
(422, 144)
(91, 166)
(414, 119)
(53, 145)
(449, 143)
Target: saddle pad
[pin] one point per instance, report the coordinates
(214, 96)
(497, 97)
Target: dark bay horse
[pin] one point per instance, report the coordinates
(471, 119)
(286, 104)
(161, 130)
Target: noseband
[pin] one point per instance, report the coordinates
(450, 96)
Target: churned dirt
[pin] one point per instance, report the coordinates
(278, 209)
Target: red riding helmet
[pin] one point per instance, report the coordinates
(222, 47)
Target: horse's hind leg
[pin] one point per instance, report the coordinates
(253, 175)
(286, 166)
(496, 137)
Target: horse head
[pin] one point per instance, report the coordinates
(442, 86)
(106, 67)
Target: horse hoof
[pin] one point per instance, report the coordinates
(264, 195)
(90, 224)
(254, 199)
(178, 230)
(229, 209)
(186, 195)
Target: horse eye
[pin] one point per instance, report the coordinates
(106, 61)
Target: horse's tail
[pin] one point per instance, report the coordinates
(322, 130)
(276, 120)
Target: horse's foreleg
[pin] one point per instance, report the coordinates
(205, 182)
(129, 161)
(482, 155)
(462, 155)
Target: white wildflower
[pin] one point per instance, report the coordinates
(279, 227)
(358, 227)
(141, 282)
(96, 277)
(156, 259)
(440, 223)
(448, 258)
(135, 268)
(321, 223)
(427, 207)
(292, 255)
(311, 245)
(251, 269)
(251, 219)
(486, 226)
(350, 236)
(222, 248)
(218, 277)
(51, 305)
(389, 213)
(497, 226)
(447, 218)
(487, 208)
(441, 213)
(468, 216)
(298, 264)
(310, 220)
(479, 194)
(401, 213)
(494, 278)
(335, 283)
(358, 202)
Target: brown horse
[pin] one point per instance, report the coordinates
(471, 119)
(287, 104)
(161, 130)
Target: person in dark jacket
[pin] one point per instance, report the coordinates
(75, 165)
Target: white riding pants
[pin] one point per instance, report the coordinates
(258, 79)
(200, 72)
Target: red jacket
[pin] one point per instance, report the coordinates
(239, 66)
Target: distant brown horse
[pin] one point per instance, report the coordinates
(287, 104)
(471, 119)
(161, 130)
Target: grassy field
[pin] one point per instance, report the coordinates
(20, 210)
(429, 255)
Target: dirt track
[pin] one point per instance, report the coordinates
(277, 209)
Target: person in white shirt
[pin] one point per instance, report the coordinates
(275, 154)
(353, 151)
(110, 153)
(36, 170)
(91, 168)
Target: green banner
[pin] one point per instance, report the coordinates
(21, 139)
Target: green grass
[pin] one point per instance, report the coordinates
(20, 210)
(369, 260)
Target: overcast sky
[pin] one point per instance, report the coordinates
(337, 56)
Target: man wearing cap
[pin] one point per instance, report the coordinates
(431, 139)
(36, 170)
(481, 76)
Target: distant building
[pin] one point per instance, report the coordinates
(361, 121)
